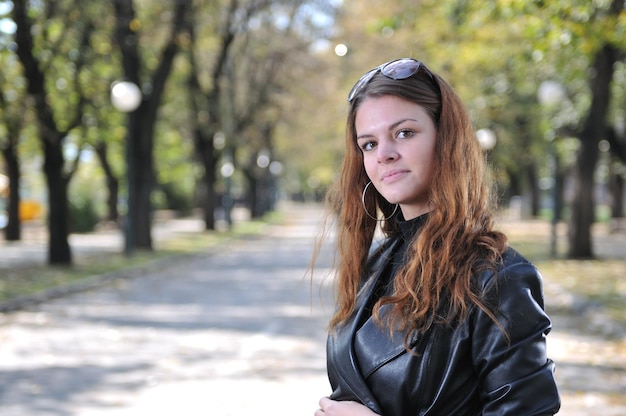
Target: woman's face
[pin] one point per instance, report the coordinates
(397, 138)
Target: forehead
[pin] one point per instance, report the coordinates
(387, 109)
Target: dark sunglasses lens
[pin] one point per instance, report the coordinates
(396, 70)
(401, 69)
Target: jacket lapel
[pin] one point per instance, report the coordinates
(343, 338)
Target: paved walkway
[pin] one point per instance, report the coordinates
(233, 333)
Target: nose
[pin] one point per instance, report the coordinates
(386, 152)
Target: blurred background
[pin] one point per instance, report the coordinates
(117, 115)
(118, 109)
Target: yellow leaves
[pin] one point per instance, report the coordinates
(553, 25)
(617, 35)
(134, 25)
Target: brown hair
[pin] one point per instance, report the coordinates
(458, 238)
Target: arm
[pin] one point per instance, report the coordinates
(515, 375)
(330, 407)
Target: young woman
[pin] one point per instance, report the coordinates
(441, 317)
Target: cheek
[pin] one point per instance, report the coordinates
(369, 163)
(428, 159)
(429, 167)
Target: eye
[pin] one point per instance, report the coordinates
(367, 146)
(405, 134)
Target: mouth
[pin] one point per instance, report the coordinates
(393, 175)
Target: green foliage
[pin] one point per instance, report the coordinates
(86, 196)
(83, 216)
(495, 53)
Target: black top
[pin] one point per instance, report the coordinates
(407, 231)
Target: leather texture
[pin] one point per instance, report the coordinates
(468, 369)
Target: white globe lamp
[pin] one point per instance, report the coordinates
(125, 96)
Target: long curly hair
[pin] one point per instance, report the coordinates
(458, 238)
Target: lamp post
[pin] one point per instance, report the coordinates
(276, 169)
(126, 97)
(262, 194)
(550, 94)
(227, 170)
(486, 138)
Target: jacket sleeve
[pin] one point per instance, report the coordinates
(515, 376)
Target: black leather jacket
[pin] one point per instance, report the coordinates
(469, 369)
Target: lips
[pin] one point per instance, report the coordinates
(392, 175)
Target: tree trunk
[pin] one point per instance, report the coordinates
(616, 185)
(111, 181)
(206, 153)
(594, 129)
(203, 132)
(264, 194)
(140, 138)
(58, 226)
(253, 192)
(12, 231)
(582, 217)
(515, 187)
(533, 188)
(616, 189)
(559, 186)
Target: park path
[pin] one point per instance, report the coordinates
(236, 332)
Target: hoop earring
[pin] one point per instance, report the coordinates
(365, 207)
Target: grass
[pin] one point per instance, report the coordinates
(33, 279)
(600, 282)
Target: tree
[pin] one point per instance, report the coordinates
(53, 126)
(204, 98)
(257, 80)
(221, 76)
(14, 116)
(590, 37)
(594, 128)
(141, 122)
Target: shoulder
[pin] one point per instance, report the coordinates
(515, 284)
(512, 257)
(511, 265)
(513, 275)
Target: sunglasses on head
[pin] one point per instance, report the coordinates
(398, 69)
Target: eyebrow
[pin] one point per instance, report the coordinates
(391, 127)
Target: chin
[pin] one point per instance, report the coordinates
(395, 199)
